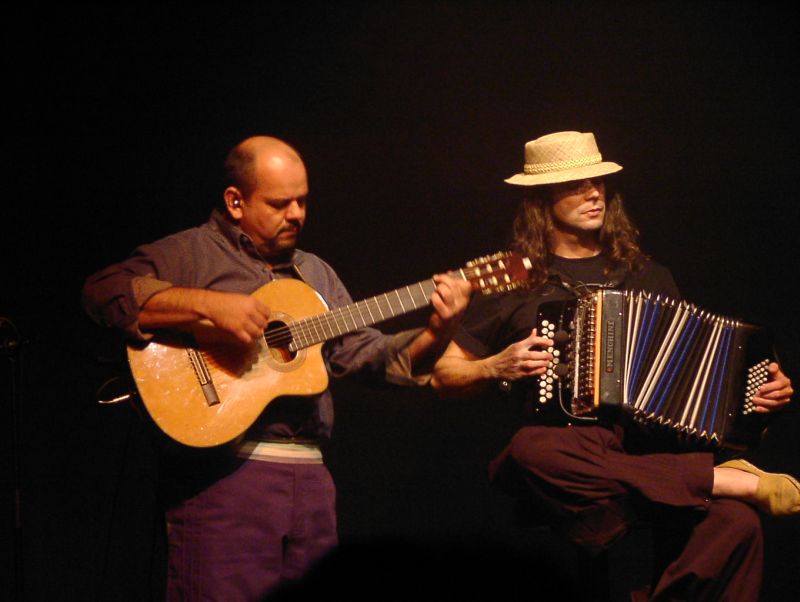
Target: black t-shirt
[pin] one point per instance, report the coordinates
(494, 322)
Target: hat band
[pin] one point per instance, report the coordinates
(537, 168)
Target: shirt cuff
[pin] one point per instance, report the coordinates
(144, 287)
(398, 362)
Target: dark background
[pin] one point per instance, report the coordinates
(409, 115)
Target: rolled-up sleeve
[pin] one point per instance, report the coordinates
(374, 355)
(114, 296)
(399, 370)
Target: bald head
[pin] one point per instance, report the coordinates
(243, 159)
(266, 195)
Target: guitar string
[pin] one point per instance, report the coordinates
(339, 317)
(310, 327)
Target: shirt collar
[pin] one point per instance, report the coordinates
(242, 242)
(614, 279)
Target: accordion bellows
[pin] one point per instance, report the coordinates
(670, 364)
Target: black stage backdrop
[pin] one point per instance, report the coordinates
(409, 115)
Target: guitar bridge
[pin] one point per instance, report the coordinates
(203, 376)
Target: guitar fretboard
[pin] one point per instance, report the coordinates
(499, 272)
(316, 329)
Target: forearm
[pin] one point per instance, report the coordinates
(424, 348)
(462, 377)
(175, 306)
(242, 316)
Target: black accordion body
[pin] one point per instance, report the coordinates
(671, 366)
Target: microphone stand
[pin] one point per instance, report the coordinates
(11, 347)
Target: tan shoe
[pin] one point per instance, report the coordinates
(777, 494)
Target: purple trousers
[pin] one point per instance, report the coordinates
(593, 488)
(262, 525)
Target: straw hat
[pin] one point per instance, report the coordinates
(562, 157)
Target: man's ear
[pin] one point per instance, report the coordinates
(233, 202)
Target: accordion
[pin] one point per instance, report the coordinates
(668, 364)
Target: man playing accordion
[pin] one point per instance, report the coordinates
(594, 479)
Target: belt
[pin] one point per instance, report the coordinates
(288, 452)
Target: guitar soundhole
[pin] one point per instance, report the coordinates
(278, 339)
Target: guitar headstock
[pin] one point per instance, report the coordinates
(500, 272)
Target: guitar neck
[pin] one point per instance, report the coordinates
(329, 325)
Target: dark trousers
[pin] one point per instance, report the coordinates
(593, 490)
(262, 525)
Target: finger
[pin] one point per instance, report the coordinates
(535, 340)
(439, 305)
(533, 367)
(445, 278)
(768, 405)
(457, 289)
(263, 310)
(262, 322)
(775, 373)
(535, 335)
(777, 400)
(446, 293)
(771, 402)
(463, 287)
(540, 360)
(254, 324)
(782, 395)
(243, 336)
(439, 281)
(775, 388)
(253, 330)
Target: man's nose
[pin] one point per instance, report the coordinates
(295, 211)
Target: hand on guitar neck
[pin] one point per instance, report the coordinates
(449, 301)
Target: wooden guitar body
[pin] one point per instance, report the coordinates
(245, 378)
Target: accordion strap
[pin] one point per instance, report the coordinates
(577, 289)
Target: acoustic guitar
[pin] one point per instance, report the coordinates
(202, 390)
